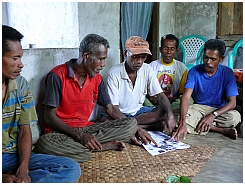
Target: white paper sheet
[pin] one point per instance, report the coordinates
(163, 144)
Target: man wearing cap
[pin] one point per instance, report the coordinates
(130, 81)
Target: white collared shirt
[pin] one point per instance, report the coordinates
(121, 91)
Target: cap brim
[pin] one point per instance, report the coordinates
(137, 51)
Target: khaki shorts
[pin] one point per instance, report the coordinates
(196, 112)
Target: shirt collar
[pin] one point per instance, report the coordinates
(69, 67)
(124, 73)
(12, 85)
(71, 73)
(166, 63)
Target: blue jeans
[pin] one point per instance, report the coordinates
(45, 168)
(142, 110)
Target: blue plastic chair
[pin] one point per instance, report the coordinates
(192, 47)
(234, 52)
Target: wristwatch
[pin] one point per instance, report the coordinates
(215, 113)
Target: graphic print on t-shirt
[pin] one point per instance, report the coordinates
(165, 77)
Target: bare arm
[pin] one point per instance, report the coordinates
(24, 151)
(163, 101)
(86, 139)
(154, 99)
(165, 105)
(184, 103)
(229, 106)
(185, 99)
(113, 111)
(206, 122)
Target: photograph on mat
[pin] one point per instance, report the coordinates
(163, 144)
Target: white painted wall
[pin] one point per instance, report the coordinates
(46, 24)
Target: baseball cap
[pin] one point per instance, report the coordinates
(137, 45)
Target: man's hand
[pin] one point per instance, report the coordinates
(180, 130)
(89, 141)
(8, 178)
(144, 137)
(171, 123)
(23, 176)
(205, 123)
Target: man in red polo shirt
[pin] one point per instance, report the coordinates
(73, 89)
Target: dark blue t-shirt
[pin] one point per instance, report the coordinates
(211, 90)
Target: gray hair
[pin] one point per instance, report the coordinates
(91, 44)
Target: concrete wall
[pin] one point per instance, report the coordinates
(187, 18)
(166, 20)
(196, 18)
(103, 19)
(38, 62)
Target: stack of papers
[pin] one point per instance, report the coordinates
(163, 144)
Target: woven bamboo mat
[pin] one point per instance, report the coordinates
(135, 164)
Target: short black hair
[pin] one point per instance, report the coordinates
(91, 43)
(215, 44)
(170, 37)
(9, 33)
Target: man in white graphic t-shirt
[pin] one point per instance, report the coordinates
(170, 73)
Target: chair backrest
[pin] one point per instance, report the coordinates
(234, 52)
(192, 46)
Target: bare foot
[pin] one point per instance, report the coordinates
(230, 132)
(113, 145)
